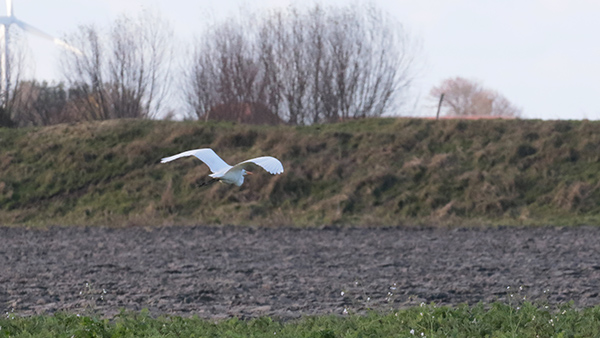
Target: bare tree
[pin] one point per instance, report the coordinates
(124, 73)
(40, 104)
(323, 64)
(140, 63)
(225, 70)
(287, 54)
(85, 74)
(463, 97)
(367, 65)
(9, 98)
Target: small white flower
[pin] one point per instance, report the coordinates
(412, 331)
(345, 311)
(342, 293)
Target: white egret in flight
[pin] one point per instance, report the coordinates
(225, 173)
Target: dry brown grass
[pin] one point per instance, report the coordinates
(379, 171)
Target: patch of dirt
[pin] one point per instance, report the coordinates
(220, 272)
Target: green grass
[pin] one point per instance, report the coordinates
(496, 320)
(365, 172)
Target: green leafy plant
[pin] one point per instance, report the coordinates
(493, 320)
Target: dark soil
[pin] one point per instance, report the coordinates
(233, 271)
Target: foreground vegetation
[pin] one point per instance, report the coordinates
(497, 320)
(367, 172)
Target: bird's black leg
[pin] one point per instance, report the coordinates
(209, 182)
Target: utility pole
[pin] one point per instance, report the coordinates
(437, 116)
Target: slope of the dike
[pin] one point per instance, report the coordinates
(364, 172)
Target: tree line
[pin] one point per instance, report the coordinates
(311, 66)
(296, 66)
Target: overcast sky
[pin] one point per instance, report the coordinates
(542, 55)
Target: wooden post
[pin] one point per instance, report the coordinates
(437, 116)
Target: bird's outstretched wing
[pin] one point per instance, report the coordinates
(270, 164)
(206, 155)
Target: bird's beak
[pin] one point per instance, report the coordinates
(248, 172)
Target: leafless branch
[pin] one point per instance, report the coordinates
(323, 64)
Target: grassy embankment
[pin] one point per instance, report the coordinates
(498, 320)
(369, 172)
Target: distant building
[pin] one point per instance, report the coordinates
(247, 113)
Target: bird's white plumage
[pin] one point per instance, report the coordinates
(206, 155)
(270, 164)
(223, 171)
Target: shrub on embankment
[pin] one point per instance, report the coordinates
(365, 172)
